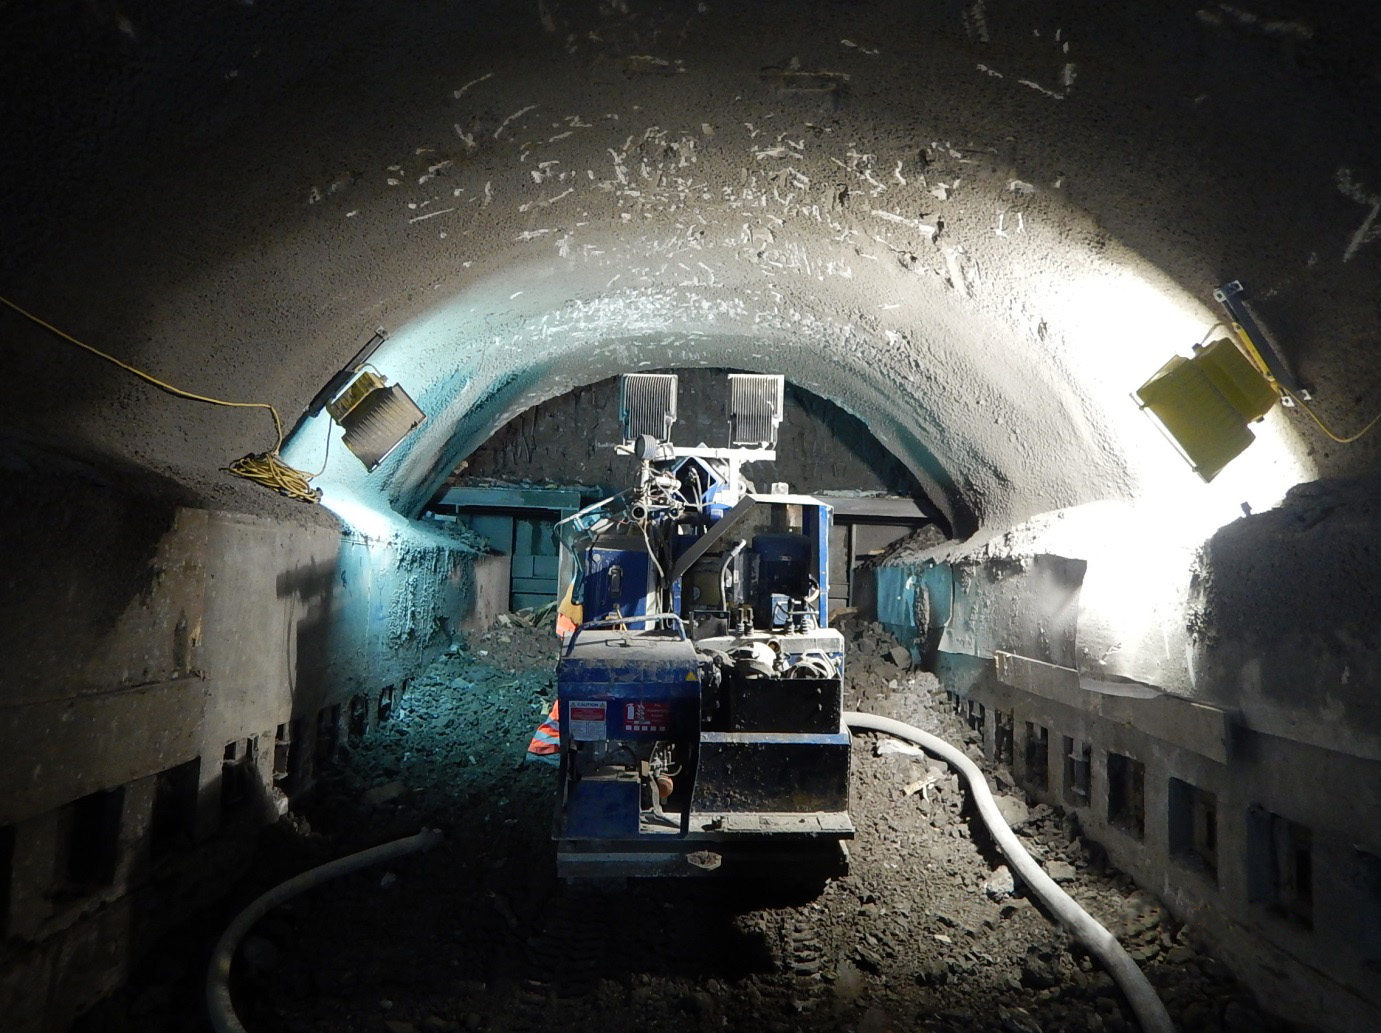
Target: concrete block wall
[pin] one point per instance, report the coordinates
(1306, 959)
(1286, 888)
(188, 688)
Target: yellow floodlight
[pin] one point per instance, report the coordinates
(1204, 403)
(376, 417)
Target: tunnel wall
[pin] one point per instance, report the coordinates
(170, 697)
(1243, 787)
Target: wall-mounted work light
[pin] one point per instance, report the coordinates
(1204, 403)
(376, 417)
(1256, 343)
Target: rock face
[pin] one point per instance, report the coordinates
(819, 445)
(477, 935)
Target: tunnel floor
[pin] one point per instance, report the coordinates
(480, 935)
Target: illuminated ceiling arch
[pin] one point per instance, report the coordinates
(1001, 410)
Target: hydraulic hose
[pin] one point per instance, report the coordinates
(1146, 1004)
(219, 1007)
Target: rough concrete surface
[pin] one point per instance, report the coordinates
(1283, 606)
(818, 445)
(976, 226)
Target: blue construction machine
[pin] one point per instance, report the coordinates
(699, 684)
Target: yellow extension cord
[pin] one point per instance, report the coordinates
(1255, 358)
(266, 468)
(1323, 427)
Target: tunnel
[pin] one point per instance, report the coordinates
(965, 232)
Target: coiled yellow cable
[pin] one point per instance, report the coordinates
(266, 468)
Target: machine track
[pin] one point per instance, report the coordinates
(576, 965)
(802, 956)
(561, 960)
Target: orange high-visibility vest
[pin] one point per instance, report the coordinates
(547, 739)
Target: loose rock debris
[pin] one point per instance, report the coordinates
(929, 931)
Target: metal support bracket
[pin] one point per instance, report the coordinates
(1230, 296)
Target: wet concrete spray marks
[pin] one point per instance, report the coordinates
(516, 115)
(976, 21)
(1042, 89)
(457, 94)
(431, 215)
(1237, 17)
(784, 188)
(870, 51)
(975, 18)
(1370, 229)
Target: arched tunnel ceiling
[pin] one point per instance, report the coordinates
(932, 395)
(977, 226)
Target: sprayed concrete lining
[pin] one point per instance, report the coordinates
(966, 262)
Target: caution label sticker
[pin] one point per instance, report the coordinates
(645, 716)
(587, 720)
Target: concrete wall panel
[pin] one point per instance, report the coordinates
(251, 626)
(54, 752)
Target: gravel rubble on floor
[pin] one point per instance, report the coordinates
(928, 932)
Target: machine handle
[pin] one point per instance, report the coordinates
(611, 622)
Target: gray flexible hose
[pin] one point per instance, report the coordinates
(219, 1007)
(1146, 1004)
